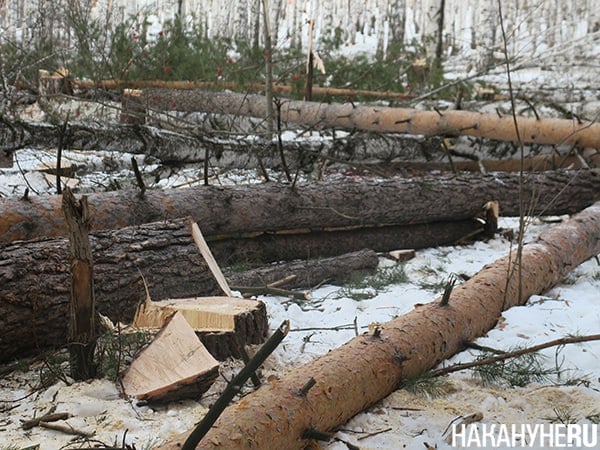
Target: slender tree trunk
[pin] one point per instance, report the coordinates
(371, 366)
(384, 119)
(82, 311)
(316, 207)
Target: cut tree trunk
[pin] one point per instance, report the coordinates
(382, 119)
(34, 277)
(371, 366)
(224, 324)
(175, 365)
(239, 210)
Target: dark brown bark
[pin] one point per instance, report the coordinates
(371, 366)
(311, 272)
(384, 119)
(34, 275)
(82, 305)
(235, 210)
(252, 87)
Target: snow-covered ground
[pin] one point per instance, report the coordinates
(404, 419)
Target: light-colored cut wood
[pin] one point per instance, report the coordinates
(402, 255)
(175, 365)
(209, 258)
(212, 314)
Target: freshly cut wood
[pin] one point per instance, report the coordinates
(209, 258)
(34, 275)
(224, 324)
(402, 255)
(383, 119)
(369, 367)
(346, 205)
(173, 366)
(204, 314)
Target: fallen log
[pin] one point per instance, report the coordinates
(35, 288)
(252, 87)
(380, 119)
(371, 366)
(313, 207)
(309, 273)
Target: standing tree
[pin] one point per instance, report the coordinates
(82, 329)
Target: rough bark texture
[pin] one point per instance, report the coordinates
(34, 275)
(35, 286)
(369, 367)
(220, 86)
(319, 206)
(82, 304)
(383, 119)
(308, 273)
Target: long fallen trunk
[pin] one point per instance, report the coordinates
(34, 275)
(370, 366)
(235, 210)
(381, 119)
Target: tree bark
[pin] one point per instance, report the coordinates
(383, 119)
(82, 305)
(313, 207)
(370, 366)
(232, 86)
(34, 275)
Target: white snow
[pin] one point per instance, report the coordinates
(411, 419)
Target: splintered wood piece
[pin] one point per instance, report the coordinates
(209, 258)
(402, 255)
(175, 365)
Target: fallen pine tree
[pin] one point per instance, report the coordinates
(371, 366)
(238, 211)
(35, 278)
(375, 118)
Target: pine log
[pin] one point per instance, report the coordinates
(314, 207)
(382, 119)
(34, 275)
(232, 86)
(310, 272)
(173, 366)
(371, 366)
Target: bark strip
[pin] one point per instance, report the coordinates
(369, 367)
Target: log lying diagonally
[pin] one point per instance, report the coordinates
(381, 119)
(369, 367)
(233, 210)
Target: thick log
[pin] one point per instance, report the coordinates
(313, 207)
(34, 275)
(383, 119)
(370, 366)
